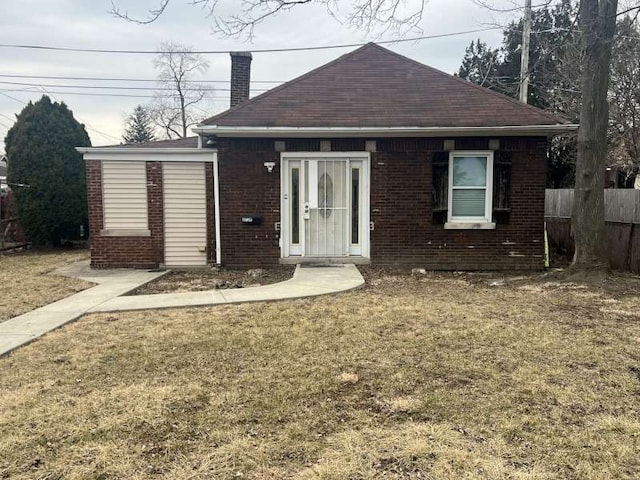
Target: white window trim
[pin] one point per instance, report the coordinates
(484, 222)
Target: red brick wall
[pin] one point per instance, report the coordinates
(119, 252)
(155, 205)
(211, 226)
(401, 200)
(401, 210)
(404, 233)
(246, 188)
(240, 77)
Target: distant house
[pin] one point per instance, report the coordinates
(371, 158)
(4, 188)
(617, 176)
(3, 173)
(11, 233)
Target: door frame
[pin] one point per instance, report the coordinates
(285, 159)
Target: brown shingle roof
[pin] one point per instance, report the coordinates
(375, 87)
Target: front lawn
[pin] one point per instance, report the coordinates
(27, 283)
(440, 377)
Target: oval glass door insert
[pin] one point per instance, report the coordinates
(325, 195)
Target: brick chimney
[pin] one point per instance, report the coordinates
(240, 77)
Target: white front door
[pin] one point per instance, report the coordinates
(325, 211)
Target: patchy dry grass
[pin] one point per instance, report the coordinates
(441, 377)
(26, 283)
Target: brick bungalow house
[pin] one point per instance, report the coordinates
(372, 157)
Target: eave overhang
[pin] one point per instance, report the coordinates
(371, 132)
(157, 154)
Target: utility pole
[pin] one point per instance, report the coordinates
(524, 58)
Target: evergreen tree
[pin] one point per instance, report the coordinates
(554, 67)
(139, 127)
(480, 66)
(51, 199)
(553, 61)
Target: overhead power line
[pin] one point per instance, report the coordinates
(256, 50)
(105, 135)
(13, 98)
(89, 94)
(86, 124)
(7, 117)
(113, 87)
(113, 79)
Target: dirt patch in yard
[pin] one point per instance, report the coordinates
(617, 285)
(200, 280)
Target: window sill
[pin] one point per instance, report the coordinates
(470, 226)
(125, 233)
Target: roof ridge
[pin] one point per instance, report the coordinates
(474, 85)
(290, 82)
(517, 112)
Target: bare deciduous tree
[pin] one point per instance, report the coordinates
(624, 99)
(597, 23)
(369, 15)
(173, 108)
(597, 26)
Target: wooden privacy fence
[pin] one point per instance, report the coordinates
(11, 234)
(622, 216)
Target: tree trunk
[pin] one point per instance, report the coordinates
(597, 19)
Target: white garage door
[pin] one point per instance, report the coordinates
(185, 214)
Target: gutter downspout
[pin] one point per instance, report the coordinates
(216, 204)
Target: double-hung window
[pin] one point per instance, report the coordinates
(470, 189)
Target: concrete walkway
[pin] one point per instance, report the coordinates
(306, 282)
(111, 284)
(24, 328)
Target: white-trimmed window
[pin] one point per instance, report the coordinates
(470, 188)
(124, 198)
